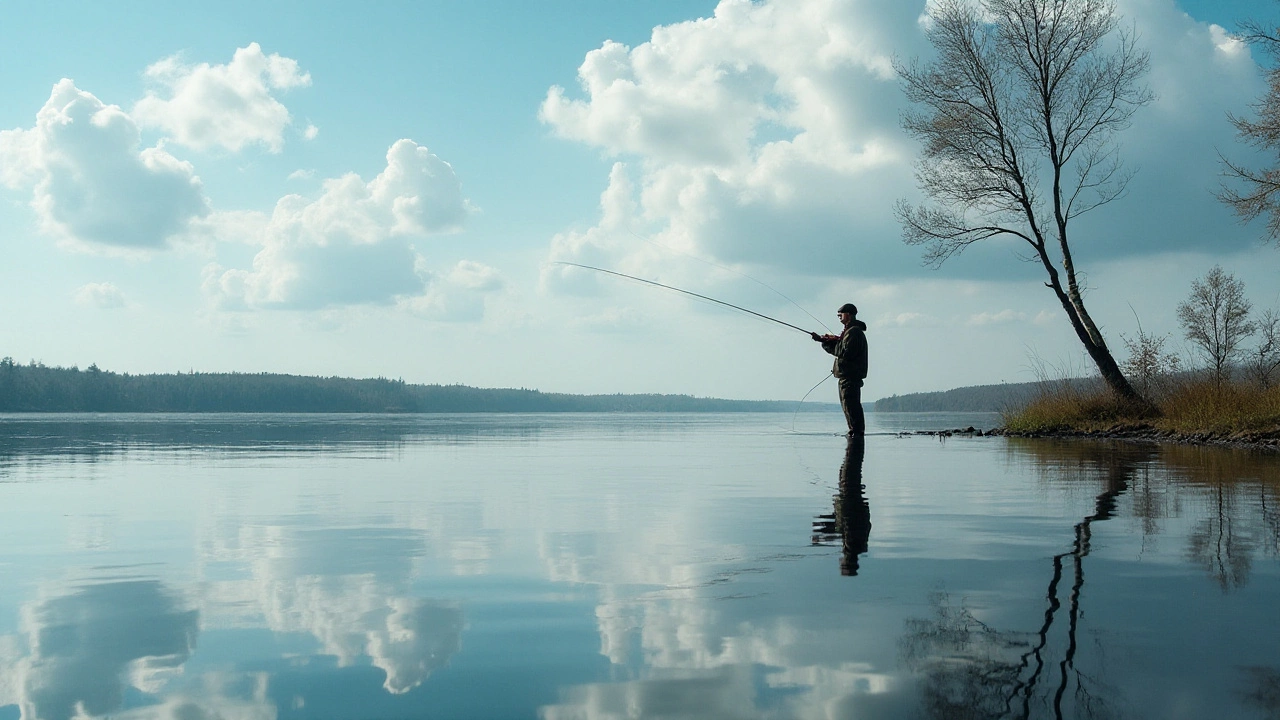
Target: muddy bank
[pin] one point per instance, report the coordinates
(1265, 441)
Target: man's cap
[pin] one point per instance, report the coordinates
(848, 308)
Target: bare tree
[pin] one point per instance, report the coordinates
(1255, 191)
(1148, 363)
(1264, 358)
(1215, 318)
(1016, 116)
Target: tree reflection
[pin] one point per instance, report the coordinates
(850, 521)
(1224, 553)
(1237, 490)
(1232, 494)
(971, 670)
(1262, 691)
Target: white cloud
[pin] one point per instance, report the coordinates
(311, 133)
(612, 320)
(301, 175)
(351, 245)
(769, 134)
(604, 245)
(459, 295)
(476, 276)
(907, 319)
(226, 106)
(104, 296)
(91, 184)
(1227, 43)
(997, 318)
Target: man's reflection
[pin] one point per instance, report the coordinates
(850, 522)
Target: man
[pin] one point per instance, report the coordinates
(850, 367)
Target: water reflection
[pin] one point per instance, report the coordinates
(726, 693)
(850, 521)
(1230, 496)
(972, 670)
(1262, 691)
(41, 438)
(88, 645)
(347, 588)
(608, 573)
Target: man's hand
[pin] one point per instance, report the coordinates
(816, 337)
(824, 338)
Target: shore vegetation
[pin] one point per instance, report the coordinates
(1192, 407)
(1231, 394)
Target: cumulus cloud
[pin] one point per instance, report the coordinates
(459, 294)
(352, 245)
(603, 245)
(90, 182)
(228, 106)
(769, 133)
(103, 296)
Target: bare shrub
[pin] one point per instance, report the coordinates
(1149, 366)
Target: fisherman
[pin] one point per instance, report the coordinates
(850, 367)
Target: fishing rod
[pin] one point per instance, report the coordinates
(726, 268)
(686, 292)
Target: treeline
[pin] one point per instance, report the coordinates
(35, 387)
(976, 398)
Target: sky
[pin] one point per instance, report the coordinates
(383, 190)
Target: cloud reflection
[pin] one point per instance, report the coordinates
(349, 589)
(679, 651)
(88, 646)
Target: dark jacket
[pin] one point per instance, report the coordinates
(850, 350)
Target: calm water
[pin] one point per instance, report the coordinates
(623, 566)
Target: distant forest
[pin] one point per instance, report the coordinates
(977, 398)
(35, 387)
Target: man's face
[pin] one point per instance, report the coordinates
(844, 318)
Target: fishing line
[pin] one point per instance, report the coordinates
(806, 397)
(718, 302)
(726, 268)
(686, 292)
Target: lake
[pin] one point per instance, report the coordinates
(627, 566)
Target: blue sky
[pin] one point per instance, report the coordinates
(378, 190)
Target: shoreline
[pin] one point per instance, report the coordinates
(1266, 441)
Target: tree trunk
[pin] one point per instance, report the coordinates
(1094, 345)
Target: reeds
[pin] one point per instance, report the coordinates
(1185, 406)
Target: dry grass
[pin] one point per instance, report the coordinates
(1186, 407)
